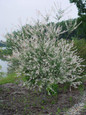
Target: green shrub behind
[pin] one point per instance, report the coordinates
(80, 44)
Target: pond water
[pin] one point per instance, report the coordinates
(4, 65)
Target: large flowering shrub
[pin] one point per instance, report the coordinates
(44, 59)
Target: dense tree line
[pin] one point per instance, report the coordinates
(81, 5)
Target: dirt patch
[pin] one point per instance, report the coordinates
(18, 100)
(83, 112)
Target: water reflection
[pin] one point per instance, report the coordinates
(4, 65)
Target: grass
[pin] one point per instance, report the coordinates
(10, 78)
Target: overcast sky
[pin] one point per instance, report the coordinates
(12, 12)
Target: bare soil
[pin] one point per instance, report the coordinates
(18, 100)
(83, 112)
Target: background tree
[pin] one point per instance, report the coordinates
(81, 5)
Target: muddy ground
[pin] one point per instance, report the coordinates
(18, 100)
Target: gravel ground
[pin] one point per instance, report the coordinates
(80, 108)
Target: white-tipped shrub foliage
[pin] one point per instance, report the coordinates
(44, 59)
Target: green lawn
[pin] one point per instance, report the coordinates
(10, 78)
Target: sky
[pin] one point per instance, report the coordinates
(19, 12)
